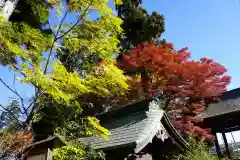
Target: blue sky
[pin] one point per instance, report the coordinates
(210, 28)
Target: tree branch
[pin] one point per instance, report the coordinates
(65, 33)
(80, 18)
(38, 92)
(31, 113)
(10, 112)
(21, 99)
(34, 100)
(49, 25)
(13, 90)
(55, 39)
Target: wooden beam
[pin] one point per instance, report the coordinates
(226, 145)
(49, 154)
(232, 129)
(218, 150)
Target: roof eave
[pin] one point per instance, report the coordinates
(174, 135)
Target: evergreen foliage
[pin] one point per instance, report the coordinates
(31, 12)
(10, 119)
(138, 25)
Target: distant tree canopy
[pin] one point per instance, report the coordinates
(9, 117)
(138, 25)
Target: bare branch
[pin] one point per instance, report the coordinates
(13, 90)
(21, 99)
(55, 39)
(19, 70)
(59, 28)
(49, 25)
(31, 113)
(37, 95)
(82, 16)
(10, 112)
(35, 99)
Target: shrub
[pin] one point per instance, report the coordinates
(197, 150)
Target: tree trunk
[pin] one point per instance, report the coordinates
(145, 82)
(7, 7)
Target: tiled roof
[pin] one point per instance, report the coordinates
(229, 103)
(132, 129)
(135, 128)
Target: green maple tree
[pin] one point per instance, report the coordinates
(30, 47)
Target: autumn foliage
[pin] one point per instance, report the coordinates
(14, 143)
(186, 84)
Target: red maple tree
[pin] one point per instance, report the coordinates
(185, 84)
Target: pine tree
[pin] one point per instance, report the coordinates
(138, 25)
(9, 117)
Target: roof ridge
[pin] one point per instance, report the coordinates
(141, 105)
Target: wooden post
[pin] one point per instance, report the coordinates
(218, 150)
(226, 145)
(49, 154)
